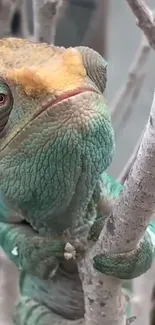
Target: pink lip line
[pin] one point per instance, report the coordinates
(65, 95)
(62, 97)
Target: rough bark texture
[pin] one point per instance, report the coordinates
(124, 229)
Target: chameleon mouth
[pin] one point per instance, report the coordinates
(50, 104)
(63, 97)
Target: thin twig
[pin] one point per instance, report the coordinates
(145, 19)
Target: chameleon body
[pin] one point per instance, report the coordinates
(56, 140)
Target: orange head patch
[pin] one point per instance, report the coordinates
(63, 71)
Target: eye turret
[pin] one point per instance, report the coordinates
(95, 65)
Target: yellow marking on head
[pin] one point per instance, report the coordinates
(28, 79)
(63, 71)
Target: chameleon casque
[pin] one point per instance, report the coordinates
(56, 141)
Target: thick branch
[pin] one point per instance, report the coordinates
(137, 202)
(145, 19)
(131, 215)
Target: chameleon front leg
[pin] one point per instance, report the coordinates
(39, 256)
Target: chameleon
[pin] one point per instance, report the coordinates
(56, 142)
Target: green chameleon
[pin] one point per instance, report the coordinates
(56, 141)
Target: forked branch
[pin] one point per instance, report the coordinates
(144, 18)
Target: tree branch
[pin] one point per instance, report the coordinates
(46, 13)
(145, 19)
(131, 215)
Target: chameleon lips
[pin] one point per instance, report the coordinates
(65, 95)
(52, 103)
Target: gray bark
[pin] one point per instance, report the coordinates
(132, 211)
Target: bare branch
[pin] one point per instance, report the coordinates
(131, 215)
(46, 13)
(135, 78)
(145, 19)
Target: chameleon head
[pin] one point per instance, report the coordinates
(55, 128)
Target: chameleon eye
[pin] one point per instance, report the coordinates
(3, 98)
(6, 103)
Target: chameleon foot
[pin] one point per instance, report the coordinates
(127, 265)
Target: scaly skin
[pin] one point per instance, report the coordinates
(56, 141)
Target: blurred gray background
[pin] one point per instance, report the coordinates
(123, 39)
